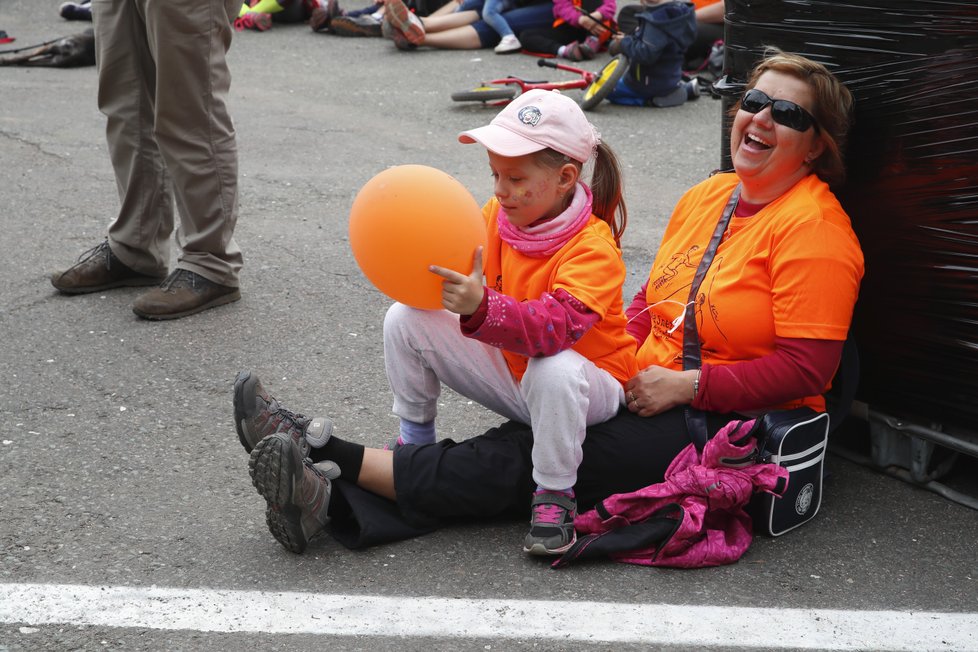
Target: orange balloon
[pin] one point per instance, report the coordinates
(407, 218)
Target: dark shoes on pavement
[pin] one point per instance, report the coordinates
(183, 293)
(321, 17)
(257, 415)
(98, 269)
(296, 491)
(180, 294)
(364, 25)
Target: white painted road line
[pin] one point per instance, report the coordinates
(205, 610)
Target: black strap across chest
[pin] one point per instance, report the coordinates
(696, 419)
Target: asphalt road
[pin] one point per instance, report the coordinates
(119, 465)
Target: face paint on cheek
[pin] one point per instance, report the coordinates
(524, 196)
(528, 196)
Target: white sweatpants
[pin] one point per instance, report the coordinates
(558, 397)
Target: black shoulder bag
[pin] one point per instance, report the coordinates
(796, 439)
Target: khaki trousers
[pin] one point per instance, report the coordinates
(163, 85)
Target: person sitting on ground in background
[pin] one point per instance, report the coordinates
(772, 316)
(460, 30)
(329, 18)
(492, 14)
(579, 31)
(655, 51)
(709, 30)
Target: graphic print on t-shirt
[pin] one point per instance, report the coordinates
(671, 269)
(705, 298)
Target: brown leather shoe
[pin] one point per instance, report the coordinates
(98, 269)
(183, 293)
(321, 16)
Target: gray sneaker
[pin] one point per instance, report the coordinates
(552, 524)
(296, 491)
(257, 415)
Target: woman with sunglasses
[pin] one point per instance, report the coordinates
(772, 314)
(774, 308)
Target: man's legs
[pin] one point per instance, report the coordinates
(163, 83)
(139, 235)
(189, 40)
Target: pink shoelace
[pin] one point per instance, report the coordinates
(548, 513)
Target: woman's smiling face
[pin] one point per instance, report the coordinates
(768, 157)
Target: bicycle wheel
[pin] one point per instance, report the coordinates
(485, 94)
(605, 82)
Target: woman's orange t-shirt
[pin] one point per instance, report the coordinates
(791, 270)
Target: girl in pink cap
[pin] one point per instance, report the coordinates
(542, 338)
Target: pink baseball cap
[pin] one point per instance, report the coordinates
(534, 121)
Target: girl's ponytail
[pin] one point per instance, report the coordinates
(606, 188)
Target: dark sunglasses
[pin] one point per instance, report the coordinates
(784, 112)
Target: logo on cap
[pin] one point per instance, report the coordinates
(529, 115)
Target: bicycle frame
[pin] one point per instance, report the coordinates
(586, 79)
(596, 85)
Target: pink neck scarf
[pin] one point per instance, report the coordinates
(545, 238)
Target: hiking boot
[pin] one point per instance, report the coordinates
(98, 269)
(257, 414)
(402, 19)
(322, 17)
(183, 293)
(296, 490)
(364, 25)
(256, 20)
(552, 524)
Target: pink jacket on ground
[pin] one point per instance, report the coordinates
(703, 497)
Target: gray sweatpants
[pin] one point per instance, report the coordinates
(163, 85)
(558, 396)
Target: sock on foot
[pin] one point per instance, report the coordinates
(412, 432)
(347, 455)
